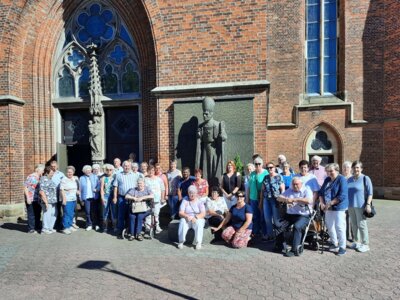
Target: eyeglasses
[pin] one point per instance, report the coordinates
(270, 167)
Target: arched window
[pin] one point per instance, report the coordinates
(96, 22)
(323, 142)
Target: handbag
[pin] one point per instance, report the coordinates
(139, 207)
(373, 211)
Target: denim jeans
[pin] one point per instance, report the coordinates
(34, 211)
(271, 215)
(122, 212)
(258, 218)
(136, 222)
(300, 222)
(68, 216)
(109, 209)
(88, 209)
(173, 206)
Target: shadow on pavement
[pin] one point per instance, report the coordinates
(21, 225)
(102, 266)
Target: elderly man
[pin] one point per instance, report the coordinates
(299, 200)
(281, 161)
(123, 182)
(317, 169)
(90, 195)
(117, 166)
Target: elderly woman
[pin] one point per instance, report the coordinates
(96, 170)
(201, 185)
(216, 210)
(360, 198)
(69, 192)
(239, 219)
(333, 199)
(245, 182)
(33, 207)
(317, 169)
(48, 195)
(286, 174)
(89, 184)
(346, 172)
(139, 194)
(156, 185)
(108, 207)
(272, 187)
(192, 213)
(253, 196)
(230, 183)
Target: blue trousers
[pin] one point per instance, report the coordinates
(271, 215)
(136, 222)
(34, 211)
(122, 212)
(87, 212)
(109, 208)
(173, 205)
(69, 212)
(258, 218)
(300, 222)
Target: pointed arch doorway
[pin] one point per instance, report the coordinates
(96, 22)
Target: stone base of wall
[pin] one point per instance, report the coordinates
(391, 193)
(12, 211)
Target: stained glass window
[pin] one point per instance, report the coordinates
(66, 84)
(98, 22)
(322, 44)
(109, 81)
(84, 82)
(130, 80)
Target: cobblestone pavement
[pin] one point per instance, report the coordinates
(89, 265)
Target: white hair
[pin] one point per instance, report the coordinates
(96, 166)
(316, 157)
(86, 167)
(192, 189)
(39, 167)
(347, 164)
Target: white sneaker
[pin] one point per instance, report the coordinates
(97, 228)
(355, 246)
(73, 229)
(66, 231)
(197, 247)
(180, 246)
(333, 248)
(46, 231)
(158, 230)
(89, 228)
(75, 226)
(363, 248)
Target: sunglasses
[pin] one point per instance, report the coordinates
(270, 167)
(257, 164)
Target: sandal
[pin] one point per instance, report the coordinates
(139, 238)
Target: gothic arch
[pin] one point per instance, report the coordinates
(324, 140)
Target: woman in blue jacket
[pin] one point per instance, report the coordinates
(333, 199)
(90, 192)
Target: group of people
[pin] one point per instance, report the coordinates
(256, 204)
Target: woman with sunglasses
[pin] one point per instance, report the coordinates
(239, 218)
(253, 196)
(272, 187)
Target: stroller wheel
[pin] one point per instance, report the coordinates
(300, 249)
(315, 245)
(125, 234)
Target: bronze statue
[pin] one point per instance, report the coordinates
(211, 137)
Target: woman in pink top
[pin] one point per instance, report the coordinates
(200, 184)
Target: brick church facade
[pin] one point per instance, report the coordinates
(322, 77)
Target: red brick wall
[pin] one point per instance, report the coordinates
(197, 42)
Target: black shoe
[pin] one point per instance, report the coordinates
(120, 237)
(278, 249)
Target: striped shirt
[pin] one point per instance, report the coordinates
(126, 181)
